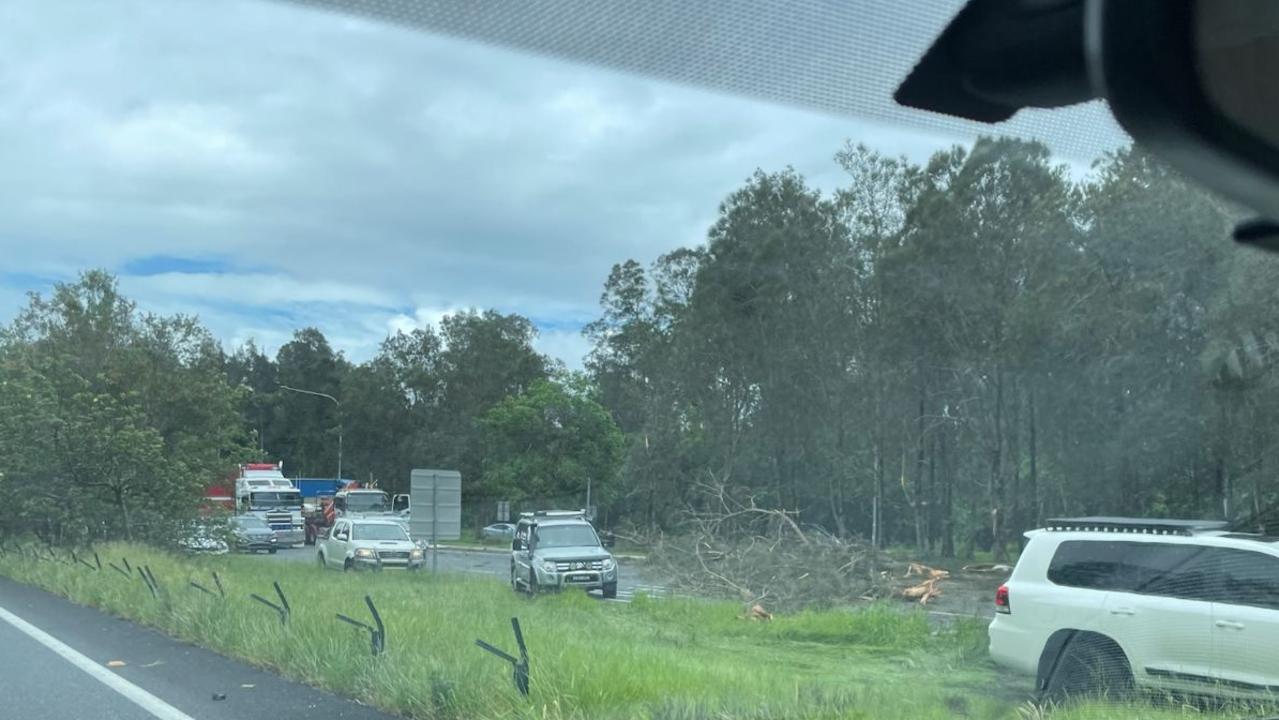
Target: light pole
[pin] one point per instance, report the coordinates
(339, 406)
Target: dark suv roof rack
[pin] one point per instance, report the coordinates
(555, 514)
(1148, 526)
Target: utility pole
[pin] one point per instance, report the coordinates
(339, 407)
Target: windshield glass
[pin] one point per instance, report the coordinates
(366, 502)
(249, 522)
(552, 536)
(275, 500)
(378, 532)
(813, 366)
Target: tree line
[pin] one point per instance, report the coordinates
(939, 355)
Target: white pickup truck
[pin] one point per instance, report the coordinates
(368, 544)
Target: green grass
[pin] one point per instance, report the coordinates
(668, 659)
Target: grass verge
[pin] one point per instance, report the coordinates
(667, 659)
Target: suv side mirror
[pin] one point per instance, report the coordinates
(607, 540)
(340, 536)
(517, 544)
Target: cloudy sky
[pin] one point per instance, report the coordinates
(269, 167)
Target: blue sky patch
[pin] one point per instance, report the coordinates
(161, 264)
(31, 282)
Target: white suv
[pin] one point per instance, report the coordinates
(1103, 605)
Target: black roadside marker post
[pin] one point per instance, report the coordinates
(120, 570)
(125, 560)
(283, 608)
(201, 588)
(377, 635)
(147, 581)
(151, 577)
(97, 560)
(219, 594)
(519, 667)
(83, 562)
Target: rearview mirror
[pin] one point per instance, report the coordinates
(1191, 80)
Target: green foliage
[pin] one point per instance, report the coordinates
(971, 344)
(549, 441)
(112, 420)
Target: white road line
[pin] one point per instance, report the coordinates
(143, 699)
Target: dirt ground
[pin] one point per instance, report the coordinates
(965, 592)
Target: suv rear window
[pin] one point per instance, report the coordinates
(1181, 571)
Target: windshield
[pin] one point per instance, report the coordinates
(275, 500)
(811, 366)
(249, 522)
(366, 502)
(552, 536)
(378, 532)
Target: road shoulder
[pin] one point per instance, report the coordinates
(183, 675)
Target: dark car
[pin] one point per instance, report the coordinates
(251, 534)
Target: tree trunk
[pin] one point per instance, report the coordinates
(930, 515)
(877, 507)
(948, 483)
(124, 513)
(1037, 507)
(915, 503)
(997, 471)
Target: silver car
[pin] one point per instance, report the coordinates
(368, 544)
(555, 550)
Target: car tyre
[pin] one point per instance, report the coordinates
(1088, 666)
(348, 566)
(272, 550)
(609, 591)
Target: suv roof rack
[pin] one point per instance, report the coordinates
(554, 514)
(1148, 526)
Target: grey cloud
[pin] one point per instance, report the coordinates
(335, 153)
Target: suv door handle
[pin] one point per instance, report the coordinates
(1122, 611)
(1231, 624)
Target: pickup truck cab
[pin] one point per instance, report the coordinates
(559, 549)
(368, 544)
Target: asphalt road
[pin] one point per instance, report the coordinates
(55, 654)
(632, 578)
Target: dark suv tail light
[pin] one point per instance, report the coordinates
(1001, 600)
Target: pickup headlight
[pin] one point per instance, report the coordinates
(274, 538)
(609, 564)
(416, 554)
(548, 566)
(363, 553)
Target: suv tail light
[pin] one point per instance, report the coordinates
(1001, 600)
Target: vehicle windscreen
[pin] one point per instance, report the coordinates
(565, 536)
(275, 500)
(366, 502)
(821, 365)
(250, 522)
(378, 532)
